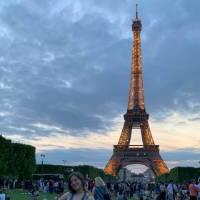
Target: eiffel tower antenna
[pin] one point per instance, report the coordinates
(136, 11)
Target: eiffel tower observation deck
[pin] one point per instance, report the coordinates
(136, 117)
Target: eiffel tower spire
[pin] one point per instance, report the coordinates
(136, 11)
(136, 93)
(136, 118)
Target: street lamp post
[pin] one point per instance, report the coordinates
(42, 158)
(64, 169)
(42, 161)
(64, 162)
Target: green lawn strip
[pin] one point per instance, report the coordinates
(20, 194)
(24, 195)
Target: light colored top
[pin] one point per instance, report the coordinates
(70, 196)
(2, 196)
(170, 188)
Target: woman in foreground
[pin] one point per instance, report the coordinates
(76, 188)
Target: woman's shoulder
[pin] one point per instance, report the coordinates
(66, 196)
(89, 196)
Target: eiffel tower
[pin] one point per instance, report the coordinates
(136, 117)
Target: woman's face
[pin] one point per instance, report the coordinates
(75, 183)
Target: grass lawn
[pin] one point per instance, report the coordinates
(23, 195)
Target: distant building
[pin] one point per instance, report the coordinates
(126, 175)
(149, 176)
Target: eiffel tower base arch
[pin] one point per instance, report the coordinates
(147, 155)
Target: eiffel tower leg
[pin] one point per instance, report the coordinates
(146, 134)
(112, 166)
(158, 166)
(125, 136)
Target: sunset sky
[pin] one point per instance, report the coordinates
(65, 71)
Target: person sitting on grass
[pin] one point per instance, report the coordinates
(76, 188)
(35, 192)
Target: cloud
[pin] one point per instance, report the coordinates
(49, 84)
(195, 119)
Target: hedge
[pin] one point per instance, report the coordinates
(5, 156)
(16, 160)
(180, 175)
(91, 171)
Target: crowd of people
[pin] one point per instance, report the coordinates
(80, 188)
(96, 189)
(32, 187)
(51, 185)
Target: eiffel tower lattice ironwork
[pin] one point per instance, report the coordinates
(136, 118)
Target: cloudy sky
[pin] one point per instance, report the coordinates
(65, 71)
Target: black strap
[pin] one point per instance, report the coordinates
(71, 196)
